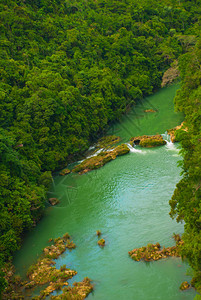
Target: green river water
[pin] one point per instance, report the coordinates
(127, 200)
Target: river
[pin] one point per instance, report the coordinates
(127, 200)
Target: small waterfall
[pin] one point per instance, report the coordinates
(133, 149)
(95, 153)
(169, 144)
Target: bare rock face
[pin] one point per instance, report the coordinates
(53, 201)
(170, 75)
(148, 141)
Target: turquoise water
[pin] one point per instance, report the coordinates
(127, 200)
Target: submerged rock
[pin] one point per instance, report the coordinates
(150, 110)
(53, 201)
(148, 141)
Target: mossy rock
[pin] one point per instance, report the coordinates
(148, 141)
(121, 150)
(154, 252)
(64, 172)
(96, 162)
(101, 242)
(184, 286)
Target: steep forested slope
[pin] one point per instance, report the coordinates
(69, 68)
(186, 201)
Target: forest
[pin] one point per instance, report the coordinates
(68, 70)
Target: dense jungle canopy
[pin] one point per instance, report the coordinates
(69, 69)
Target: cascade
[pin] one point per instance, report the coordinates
(170, 145)
(133, 149)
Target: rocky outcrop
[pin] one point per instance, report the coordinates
(155, 252)
(173, 132)
(148, 141)
(44, 272)
(171, 74)
(96, 162)
(44, 276)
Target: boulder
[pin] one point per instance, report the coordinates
(184, 286)
(101, 242)
(148, 141)
(53, 201)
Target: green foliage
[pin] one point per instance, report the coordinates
(67, 70)
(186, 201)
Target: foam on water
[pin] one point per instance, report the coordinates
(134, 149)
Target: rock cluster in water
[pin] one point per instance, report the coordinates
(101, 159)
(148, 141)
(45, 273)
(154, 251)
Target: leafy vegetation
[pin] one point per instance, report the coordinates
(185, 203)
(68, 69)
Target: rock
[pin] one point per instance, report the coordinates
(53, 201)
(101, 242)
(121, 150)
(153, 252)
(64, 172)
(150, 110)
(148, 141)
(96, 162)
(184, 286)
(98, 232)
(172, 132)
(171, 74)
